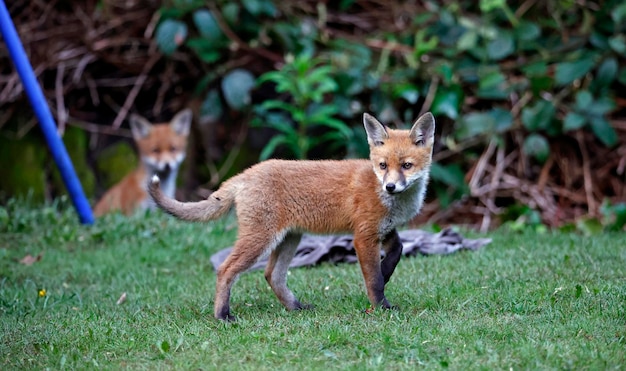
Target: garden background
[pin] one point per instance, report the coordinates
(528, 96)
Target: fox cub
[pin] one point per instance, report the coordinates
(162, 148)
(276, 201)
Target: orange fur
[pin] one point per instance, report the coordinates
(277, 200)
(161, 149)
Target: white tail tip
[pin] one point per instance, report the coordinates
(155, 179)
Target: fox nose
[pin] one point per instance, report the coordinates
(390, 187)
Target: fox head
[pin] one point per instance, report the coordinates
(162, 147)
(401, 158)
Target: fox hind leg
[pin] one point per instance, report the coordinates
(247, 250)
(277, 268)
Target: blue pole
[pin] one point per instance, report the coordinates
(42, 111)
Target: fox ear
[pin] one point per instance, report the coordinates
(139, 126)
(182, 122)
(423, 130)
(376, 132)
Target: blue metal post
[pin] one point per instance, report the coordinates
(42, 111)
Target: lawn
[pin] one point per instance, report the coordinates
(526, 301)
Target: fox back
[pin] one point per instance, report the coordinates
(276, 201)
(161, 149)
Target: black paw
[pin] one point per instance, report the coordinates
(227, 317)
(300, 306)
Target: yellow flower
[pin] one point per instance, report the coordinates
(42, 292)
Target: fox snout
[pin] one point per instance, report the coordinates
(393, 188)
(396, 184)
(163, 166)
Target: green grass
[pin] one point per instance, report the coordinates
(526, 301)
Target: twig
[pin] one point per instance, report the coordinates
(236, 40)
(480, 167)
(130, 99)
(58, 92)
(99, 129)
(430, 96)
(460, 147)
(158, 102)
(93, 90)
(588, 181)
(545, 172)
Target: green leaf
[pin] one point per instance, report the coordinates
(613, 216)
(236, 87)
(536, 145)
(279, 104)
(474, 124)
(605, 75)
(492, 84)
(447, 102)
(573, 121)
(535, 69)
(541, 83)
(451, 175)
(601, 107)
(584, 99)
(618, 43)
(207, 25)
(503, 119)
(618, 13)
(170, 34)
(502, 46)
(318, 111)
(252, 6)
(164, 346)
(207, 51)
(589, 226)
(567, 72)
(423, 44)
(618, 221)
(527, 31)
(231, 13)
(468, 40)
(407, 91)
(211, 108)
(538, 116)
(283, 126)
(604, 131)
(338, 125)
(488, 5)
(272, 145)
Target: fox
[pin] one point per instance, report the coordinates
(161, 148)
(275, 201)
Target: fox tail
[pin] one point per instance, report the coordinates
(210, 209)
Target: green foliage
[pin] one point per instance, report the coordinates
(452, 177)
(614, 216)
(188, 24)
(492, 69)
(305, 82)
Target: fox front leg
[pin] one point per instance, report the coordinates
(393, 251)
(368, 254)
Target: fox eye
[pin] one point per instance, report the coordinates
(172, 148)
(156, 151)
(407, 165)
(383, 166)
